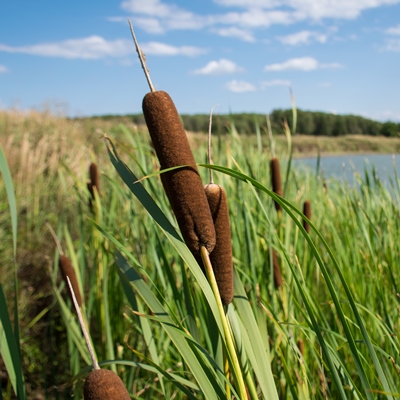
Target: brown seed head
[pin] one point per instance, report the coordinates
(183, 186)
(68, 270)
(276, 180)
(300, 345)
(94, 179)
(307, 213)
(277, 269)
(221, 256)
(103, 384)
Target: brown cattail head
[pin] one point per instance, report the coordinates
(276, 180)
(277, 269)
(307, 213)
(183, 186)
(94, 179)
(300, 345)
(103, 384)
(221, 256)
(68, 270)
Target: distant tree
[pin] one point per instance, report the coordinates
(339, 126)
(389, 129)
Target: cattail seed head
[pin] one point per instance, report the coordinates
(103, 384)
(183, 186)
(277, 269)
(68, 270)
(221, 256)
(94, 179)
(276, 180)
(307, 213)
(300, 345)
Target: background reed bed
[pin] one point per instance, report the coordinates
(323, 334)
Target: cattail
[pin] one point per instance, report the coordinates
(100, 384)
(221, 256)
(277, 269)
(183, 186)
(300, 345)
(307, 213)
(103, 384)
(68, 271)
(93, 183)
(276, 180)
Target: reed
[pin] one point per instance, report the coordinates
(276, 180)
(307, 213)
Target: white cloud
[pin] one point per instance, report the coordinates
(301, 64)
(95, 47)
(240, 86)
(312, 9)
(163, 49)
(243, 17)
(220, 67)
(3, 69)
(162, 16)
(392, 44)
(237, 33)
(92, 47)
(394, 30)
(256, 18)
(303, 37)
(275, 82)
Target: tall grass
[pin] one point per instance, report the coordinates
(328, 331)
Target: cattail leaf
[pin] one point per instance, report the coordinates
(208, 384)
(5, 171)
(292, 210)
(154, 368)
(254, 346)
(9, 350)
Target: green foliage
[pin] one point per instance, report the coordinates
(308, 123)
(390, 129)
(151, 313)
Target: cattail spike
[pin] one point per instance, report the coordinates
(183, 186)
(68, 273)
(300, 345)
(277, 270)
(93, 183)
(221, 256)
(307, 213)
(276, 180)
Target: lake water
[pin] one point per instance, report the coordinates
(344, 167)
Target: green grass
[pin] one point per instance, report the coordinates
(152, 315)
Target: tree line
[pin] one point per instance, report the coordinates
(308, 123)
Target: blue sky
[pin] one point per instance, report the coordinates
(77, 57)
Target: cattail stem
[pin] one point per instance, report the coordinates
(237, 373)
(142, 57)
(83, 327)
(209, 143)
